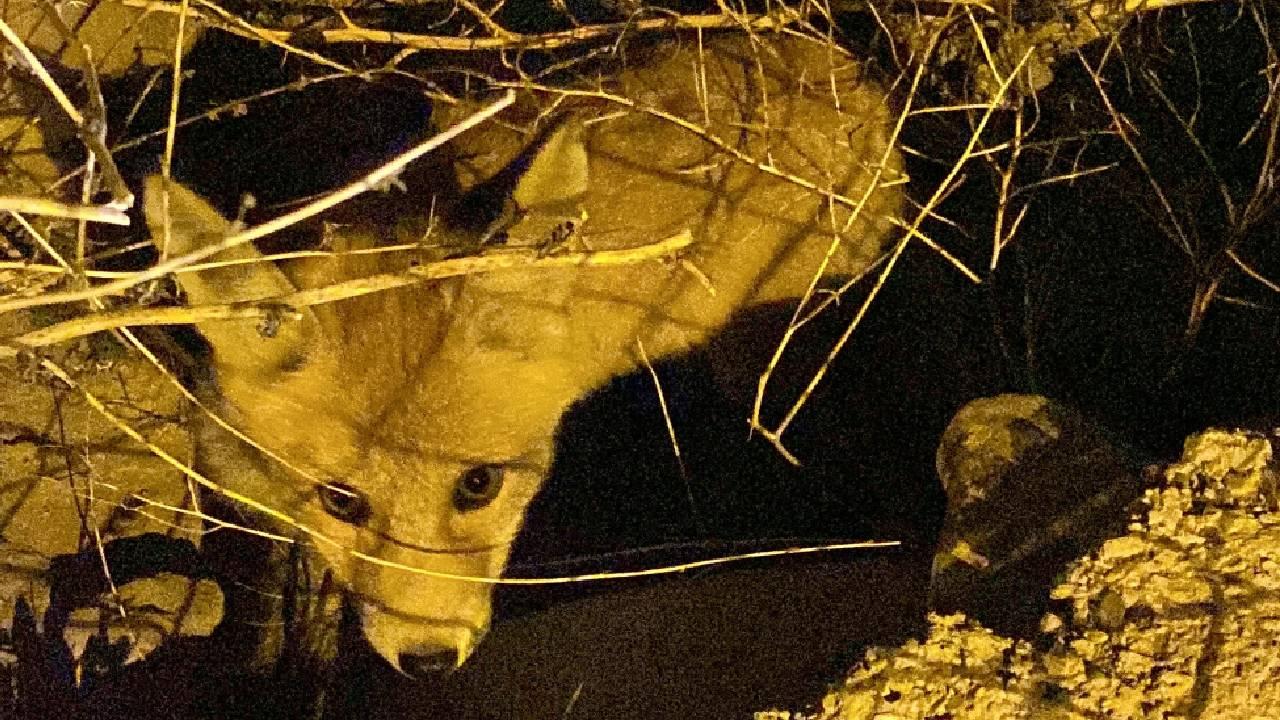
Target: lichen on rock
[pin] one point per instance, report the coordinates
(1176, 619)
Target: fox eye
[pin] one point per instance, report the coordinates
(477, 487)
(345, 503)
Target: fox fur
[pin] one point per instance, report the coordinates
(394, 397)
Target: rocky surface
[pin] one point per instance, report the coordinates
(1179, 618)
(74, 484)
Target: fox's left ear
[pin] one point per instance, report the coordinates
(548, 177)
(554, 179)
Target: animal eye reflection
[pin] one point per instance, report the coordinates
(477, 487)
(344, 503)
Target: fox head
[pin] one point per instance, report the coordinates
(417, 424)
(399, 444)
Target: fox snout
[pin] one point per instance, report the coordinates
(422, 647)
(421, 625)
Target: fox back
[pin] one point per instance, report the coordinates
(419, 422)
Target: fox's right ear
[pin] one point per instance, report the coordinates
(193, 224)
(181, 222)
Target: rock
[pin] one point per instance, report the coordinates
(1030, 486)
(1161, 626)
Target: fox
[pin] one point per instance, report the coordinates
(415, 425)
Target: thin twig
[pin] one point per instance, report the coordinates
(671, 428)
(499, 39)
(171, 125)
(285, 306)
(37, 68)
(1121, 124)
(774, 435)
(121, 198)
(368, 182)
(92, 127)
(216, 15)
(110, 214)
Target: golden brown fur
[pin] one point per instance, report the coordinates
(397, 394)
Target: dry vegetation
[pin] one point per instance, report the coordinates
(91, 445)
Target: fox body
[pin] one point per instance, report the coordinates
(418, 423)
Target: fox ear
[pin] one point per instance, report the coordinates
(193, 224)
(547, 178)
(554, 176)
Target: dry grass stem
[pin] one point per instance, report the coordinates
(284, 306)
(109, 214)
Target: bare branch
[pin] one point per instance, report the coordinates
(368, 182)
(285, 306)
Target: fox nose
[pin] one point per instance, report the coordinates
(429, 664)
